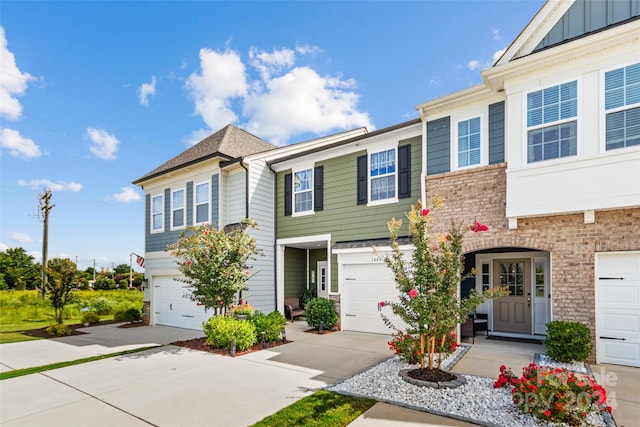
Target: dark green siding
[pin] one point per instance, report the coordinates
(439, 146)
(294, 272)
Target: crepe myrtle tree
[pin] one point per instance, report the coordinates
(61, 275)
(428, 301)
(215, 263)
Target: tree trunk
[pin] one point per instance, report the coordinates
(444, 337)
(421, 351)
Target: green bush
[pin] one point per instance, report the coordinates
(220, 330)
(321, 310)
(59, 330)
(128, 315)
(90, 317)
(270, 324)
(102, 306)
(568, 341)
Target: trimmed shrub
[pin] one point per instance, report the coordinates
(568, 341)
(102, 306)
(270, 324)
(321, 310)
(59, 330)
(91, 318)
(128, 315)
(220, 330)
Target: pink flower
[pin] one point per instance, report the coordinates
(413, 293)
(425, 212)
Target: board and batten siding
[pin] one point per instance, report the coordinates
(261, 293)
(439, 145)
(496, 133)
(342, 217)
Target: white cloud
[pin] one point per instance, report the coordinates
(223, 78)
(303, 101)
(474, 64)
(18, 145)
(16, 236)
(13, 82)
(284, 100)
(146, 90)
(497, 54)
(37, 184)
(496, 34)
(3, 247)
(127, 195)
(104, 145)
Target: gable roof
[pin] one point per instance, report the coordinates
(228, 143)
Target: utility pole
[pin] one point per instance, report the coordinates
(45, 206)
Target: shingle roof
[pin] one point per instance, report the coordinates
(229, 143)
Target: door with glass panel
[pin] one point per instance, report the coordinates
(513, 313)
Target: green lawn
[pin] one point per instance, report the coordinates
(323, 409)
(24, 310)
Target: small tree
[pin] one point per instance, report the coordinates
(215, 263)
(428, 283)
(60, 284)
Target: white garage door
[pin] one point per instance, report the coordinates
(173, 308)
(618, 308)
(363, 287)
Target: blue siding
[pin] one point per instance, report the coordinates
(215, 200)
(496, 133)
(586, 16)
(157, 242)
(438, 146)
(189, 203)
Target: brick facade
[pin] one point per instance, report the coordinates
(480, 194)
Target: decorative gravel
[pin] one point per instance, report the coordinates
(476, 402)
(578, 367)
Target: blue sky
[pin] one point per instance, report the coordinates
(94, 94)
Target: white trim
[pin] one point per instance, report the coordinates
(295, 213)
(195, 202)
(484, 138)
(184, 209)
(151, 213)
(377, 149)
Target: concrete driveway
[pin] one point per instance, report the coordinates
(174, 386)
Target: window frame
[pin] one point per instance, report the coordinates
(196, 204)
(310, 170)
(455, 139)
(604, 112)
(152, 214)
(559, 122)
(377, 150)
(174, 209)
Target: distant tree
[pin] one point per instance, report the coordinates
(60, 284)
(122, 269)
(104, 282)
(18, 270)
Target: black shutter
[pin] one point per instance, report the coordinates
(362, 173)
(404, 171)
(287, 194)
(318, 193)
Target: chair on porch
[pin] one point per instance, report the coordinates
(475, 322)
(292, 308)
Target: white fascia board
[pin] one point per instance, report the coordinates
(623, 34)
(184, 174)
(431, 110)
(394, 136)
(370, 249)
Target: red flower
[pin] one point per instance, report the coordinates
(381, 303)
(413, 293)
(547, 413)
(477, 227)
(425, 212)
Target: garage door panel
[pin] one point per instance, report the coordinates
(173, 307)
(618, 308)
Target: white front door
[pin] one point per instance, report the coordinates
(323, 282)
(618, 308)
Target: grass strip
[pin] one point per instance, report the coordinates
(323, 409)
(36, 369)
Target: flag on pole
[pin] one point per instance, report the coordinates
(139, 260)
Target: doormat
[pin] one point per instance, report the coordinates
(512, 339)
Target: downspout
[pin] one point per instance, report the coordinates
(275, 233)
(246, 190)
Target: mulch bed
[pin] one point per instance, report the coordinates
(201, 345)
(42, 332)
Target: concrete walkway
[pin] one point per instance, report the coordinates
(173, 386)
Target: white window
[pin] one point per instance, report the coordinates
(382, 175)
(551, 122)
(303, 191)
(157, 213)
(469, 142)
(177, 208)
(202, 203)
(622, 106)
